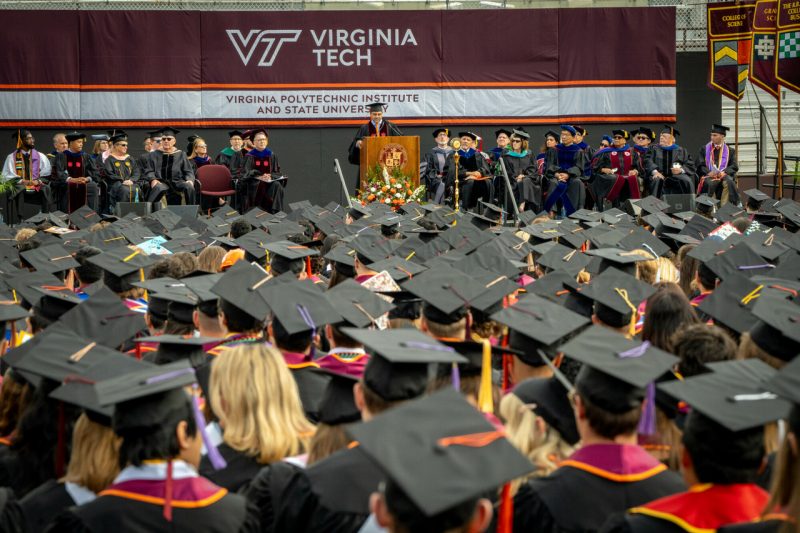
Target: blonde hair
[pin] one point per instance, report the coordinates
(327, 441)
(94, 461)
(785, 493)
(24, 234)
(210, 259)
(255, 398)
(195, 142)
(646, 270)
(748, 349)
(545, 450)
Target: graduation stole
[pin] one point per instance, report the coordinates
(566, 155)
(724, 156)
(19, 165)
(122, 167)
(261, 159)
(623, 160)
(75, 165)
(383, 131)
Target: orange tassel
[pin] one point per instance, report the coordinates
(308, 266)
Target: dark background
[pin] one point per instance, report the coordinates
(306, 154)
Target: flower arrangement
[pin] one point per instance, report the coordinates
(395, 189)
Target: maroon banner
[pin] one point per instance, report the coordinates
(764, 44)
(729, 39)
(321, 68)
(787, 67)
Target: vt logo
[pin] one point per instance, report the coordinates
(273, 40)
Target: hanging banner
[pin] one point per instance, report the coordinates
(321, 68)
(763, 47)
(729, 40)
(787, 67)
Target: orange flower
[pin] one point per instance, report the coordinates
(392, 181)
(371, 197)
(384, 188)
(393, 190)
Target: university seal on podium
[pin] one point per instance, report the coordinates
(393, 156)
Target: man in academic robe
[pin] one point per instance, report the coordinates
(503, 141)
(151, 143)
(169, 170)
(259, 185)
(616, 171)
(376, 127)
(59, 145)
(473, 173)
(31, 167)
(643, 138)
(225, 157)
(564, 166)
(717, 168)
(669, 168)
(439, 166)
(76, 176)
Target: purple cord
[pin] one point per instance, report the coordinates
(755, 267)
(455, 377)
(427, 346)
(635, 352)
(217, 461)
(306, 316)
(168, 376)
(647, 423)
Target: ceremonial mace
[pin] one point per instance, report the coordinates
(456, 144)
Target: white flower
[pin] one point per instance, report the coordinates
(373, 189)
(388, 200)
(398, 195)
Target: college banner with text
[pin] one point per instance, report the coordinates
(218, 69)
(730, 26)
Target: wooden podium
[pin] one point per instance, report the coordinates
(390, 152)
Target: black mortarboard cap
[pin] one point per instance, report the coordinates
(644, 240)
(51, 258)
(670, 129)
(54, 301)
(240, 287)
(84, 217)
(539, 319)
(359, 307)
(652, 204)
(698, 227)
(777, 331)
(767, 245)
(172, 348)
(447, 291)
(398, 268)
(742, 259)
(74, 136)
(786, 382)
(377, 106)
(255, 242)
(11, 311)
(615, 369)
(122, 260)
(168, 131)
(737, 402)
(398, 368)
(495, 289)
(337, 405)
(732, 302)
(608, 287)
(706, 201)
(299, 306)
(22, 282)
(59, 353)
(756, 195)
(615, 258)
(719, 128)
(788, 267)
(564, 259)
(417, 446)
(78, 388)
(555, 284)
(289, 250)
(550, 400)
(105, 319)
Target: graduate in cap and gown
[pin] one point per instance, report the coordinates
(473, 173)
(616, 171)
(30, 166)
(439, 166)
(76, 176)
(376, 127)
(521, 168)
(723, 453)
(122, 174)
(256, 185)
(564, 168)
(669, 168)
(158, 489)
(169, 171)
(614, 399)
(717, 168)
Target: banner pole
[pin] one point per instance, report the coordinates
(508, 189)
(736, 139)
(780, 149)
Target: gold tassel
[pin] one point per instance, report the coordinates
(485, 400)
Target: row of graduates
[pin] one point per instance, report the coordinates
(568, 174)
(68, 179)
(581, 415)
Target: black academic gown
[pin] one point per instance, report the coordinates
(715, 187)
(255, 193)
(121, 514)
(769, 525)
(386, 129)
(44, 504)
(271, 491)
(571, 194)
(619, 186)
(439, 174)
(584, 492)
(529, 190)
(474, 190)
(661, 159)
(115, 171)
(331, 496)
(69, 197)
(11, 517)
(175, 174)
(240, 469)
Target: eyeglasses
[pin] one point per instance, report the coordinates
(516, 140)
(122, 144)
(167, 138)
(201, 146)
(618, 137)
(641, 137)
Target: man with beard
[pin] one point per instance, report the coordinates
(76, 175)
(31, 167)
(717, 168)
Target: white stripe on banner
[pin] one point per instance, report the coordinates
(525, 102)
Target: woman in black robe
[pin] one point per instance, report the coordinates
(121, 173)
(521, 169)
